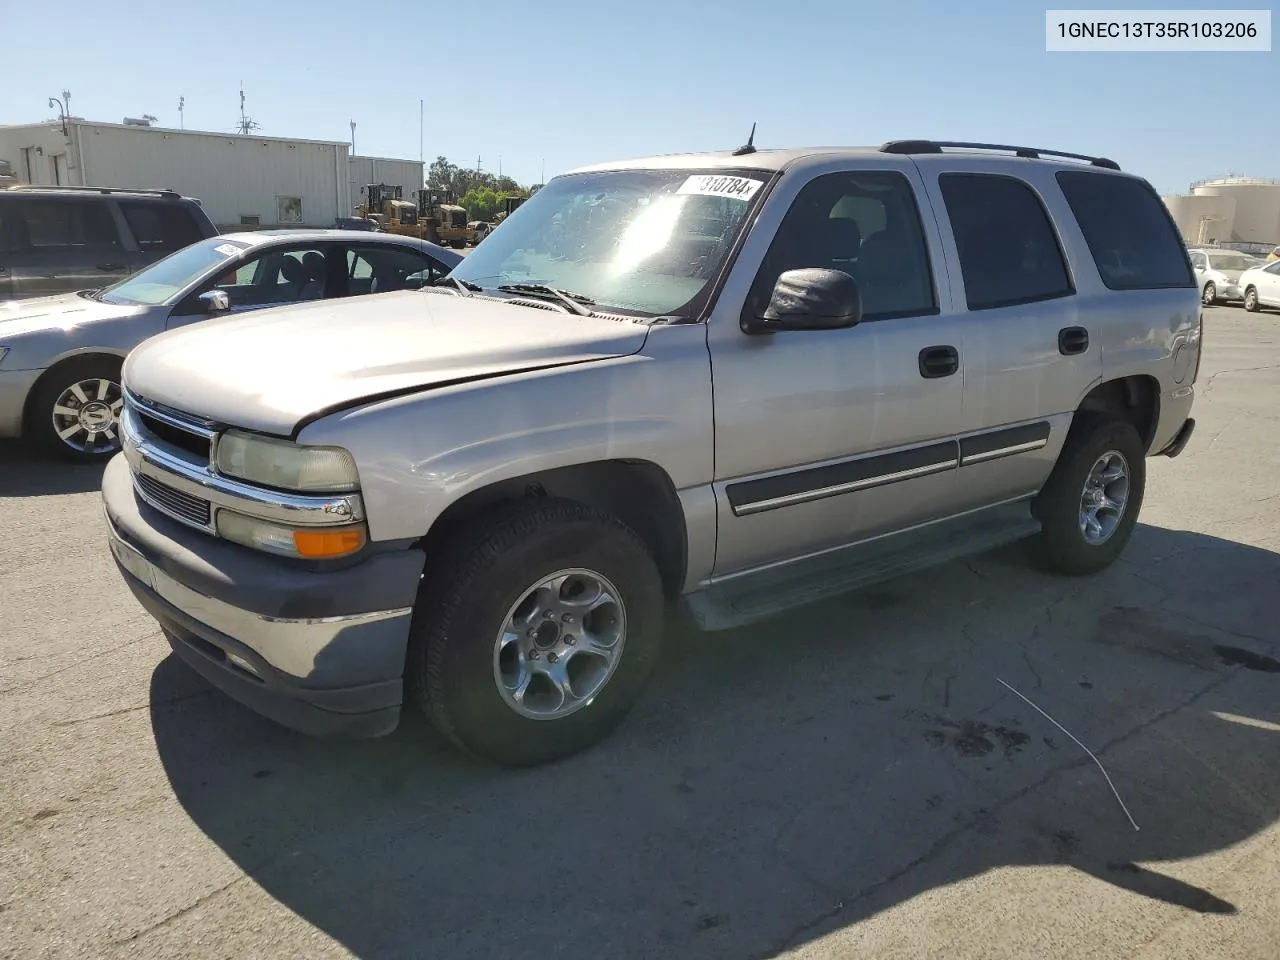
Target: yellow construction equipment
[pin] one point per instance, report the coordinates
(384, 206)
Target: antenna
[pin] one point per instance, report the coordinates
(182, 102)
(66, 101)
(749, 146)
(247, 124)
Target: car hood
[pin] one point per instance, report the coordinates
(63, 312)
(271, 369)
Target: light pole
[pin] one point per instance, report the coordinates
(62, 111)
(353, 138)
(182, 124)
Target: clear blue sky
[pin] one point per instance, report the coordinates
(573, 82)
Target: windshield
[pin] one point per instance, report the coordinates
(1229, 261)
(643, 241)
(166, 278)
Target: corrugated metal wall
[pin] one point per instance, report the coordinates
(406, 174)
(39, 147)
(233, 176)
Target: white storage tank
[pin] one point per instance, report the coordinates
(1202, 219)
(1256, 206)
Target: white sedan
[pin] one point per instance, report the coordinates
(60, 356)
(1260, 286)
(1218, 273)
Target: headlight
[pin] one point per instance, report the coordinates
(308, 543)
(286, 465)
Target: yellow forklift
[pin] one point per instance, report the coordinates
(444, 222)
(512, 204)
(383, 204)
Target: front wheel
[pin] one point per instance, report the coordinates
(75, 411)
(1090, 503)
(1209, 296)
(535, 632)
(1251, 300)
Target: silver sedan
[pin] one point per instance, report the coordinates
(60, 357)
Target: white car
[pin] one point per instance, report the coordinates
(1260, 286)
(1218, 273)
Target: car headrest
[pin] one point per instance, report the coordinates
(293, 270)
(315, 264)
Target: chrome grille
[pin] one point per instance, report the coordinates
(174, 429)
(177, 504)
(175, 436)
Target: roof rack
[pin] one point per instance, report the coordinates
(168, 193)
(1029, 153)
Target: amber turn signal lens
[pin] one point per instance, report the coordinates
(326, 544)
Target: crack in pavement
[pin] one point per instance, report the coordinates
(1167, 592)
(133, 709)
(1208, 384)
(71, 666)
(943, 842)
(182, 912)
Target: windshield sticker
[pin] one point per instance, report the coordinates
(736, 188)
(226, 249)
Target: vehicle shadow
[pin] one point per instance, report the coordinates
(783, 781)
(27, 473)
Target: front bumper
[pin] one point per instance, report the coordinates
(1229, 291)
(15, 385)
(319, 651)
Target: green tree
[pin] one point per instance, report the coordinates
(481, 203)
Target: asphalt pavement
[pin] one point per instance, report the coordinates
(848, 781)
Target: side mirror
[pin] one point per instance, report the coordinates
(813, 298)
(215, 301)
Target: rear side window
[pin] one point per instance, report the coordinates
(1129, 231)
(1009, 253)
(161, 227)
(61, 225)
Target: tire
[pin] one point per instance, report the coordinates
(473, 590)
(46, 425)
(1063, 546)
(1251, 300)
(1209, 296)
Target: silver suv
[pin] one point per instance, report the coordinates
(743, 380)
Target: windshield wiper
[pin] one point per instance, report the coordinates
(465, 287)
(574, 301)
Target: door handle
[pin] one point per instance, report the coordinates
(1073, 340)
(938, 362)
(111, 266)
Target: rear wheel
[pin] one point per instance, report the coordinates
(1209, 296)
(75, 411)
(536, 632)
(1091, 501)
(1251, 300)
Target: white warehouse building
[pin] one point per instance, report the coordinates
(242, 181)
(1237, 210)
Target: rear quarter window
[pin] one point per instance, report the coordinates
(161, 227)
(1129, 232)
